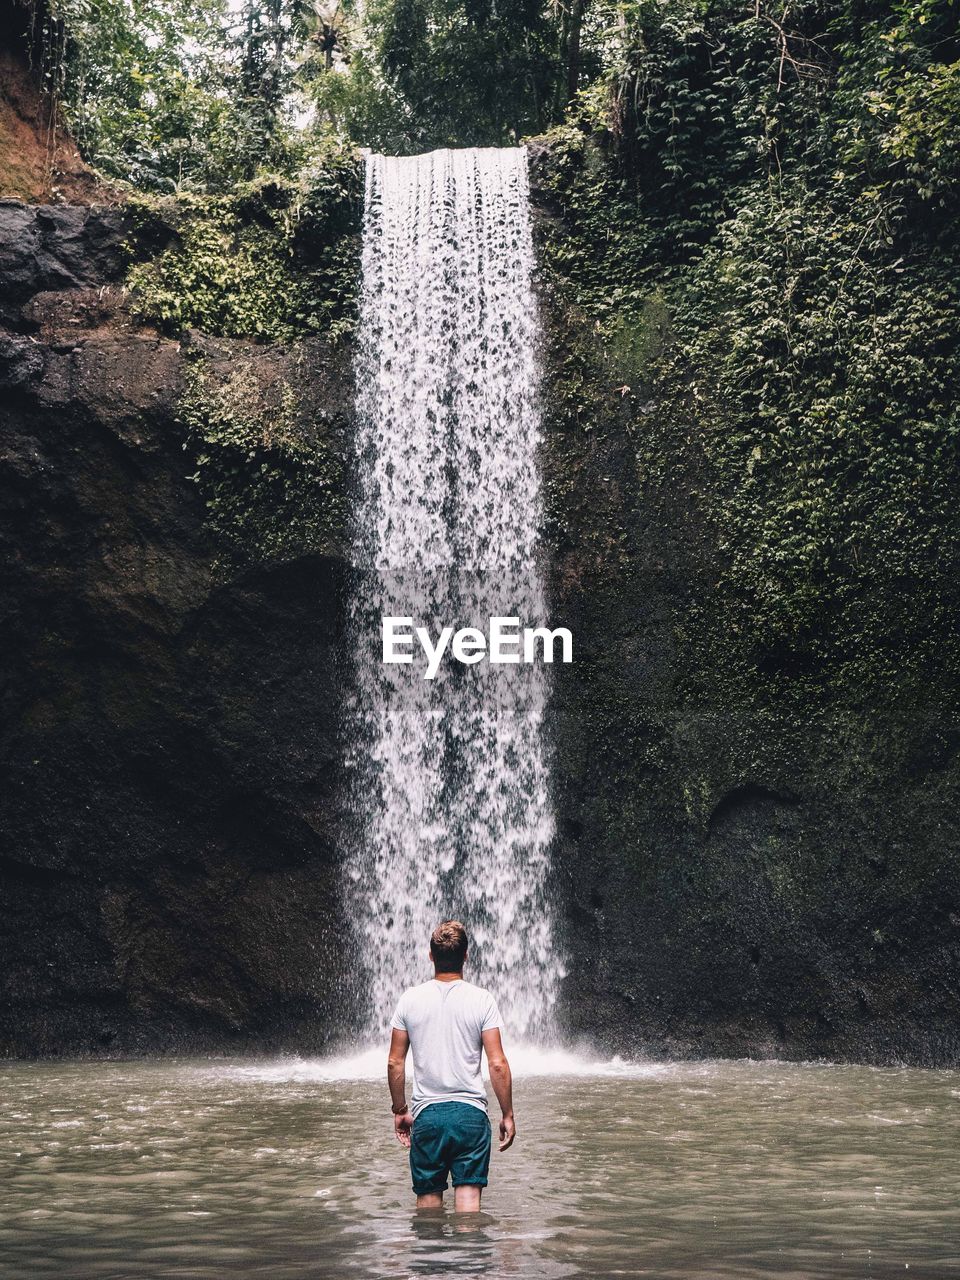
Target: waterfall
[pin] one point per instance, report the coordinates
(449, 776)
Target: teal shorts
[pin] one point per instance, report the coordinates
(449, 1137)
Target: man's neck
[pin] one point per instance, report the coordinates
(448, 977)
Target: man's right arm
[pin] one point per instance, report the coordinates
(502, 1082)
(397, 1080)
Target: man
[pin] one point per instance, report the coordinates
(447, 1022)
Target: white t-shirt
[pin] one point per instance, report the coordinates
(445, 1022)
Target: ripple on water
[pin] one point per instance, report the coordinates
(289, 1169)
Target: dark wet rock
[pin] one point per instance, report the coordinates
(169, 747)
(57, 247)
(21, 360)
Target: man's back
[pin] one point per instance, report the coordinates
(448, 1023)
(445, 1021)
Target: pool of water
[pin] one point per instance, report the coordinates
(209, 1169)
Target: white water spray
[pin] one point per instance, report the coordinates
(450, 778)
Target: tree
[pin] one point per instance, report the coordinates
(430, 73)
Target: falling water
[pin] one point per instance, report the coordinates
(450, 778)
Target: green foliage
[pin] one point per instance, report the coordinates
(597, 239)
(825, 386)
(177, 95)
(905, 70)
(358, 102)
(920, 120)
(705, 96)
(432, 73)
(273, 260)
(174, 97)
(784, 181)
(270, 477)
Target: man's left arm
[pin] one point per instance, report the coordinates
(397, 1080)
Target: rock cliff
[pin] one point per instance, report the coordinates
(745, 867)
(169, 732)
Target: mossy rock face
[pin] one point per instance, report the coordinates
(275, 260)
(758, 831)
(268, 433)
(260, 286)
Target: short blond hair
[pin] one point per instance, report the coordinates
(448, 946)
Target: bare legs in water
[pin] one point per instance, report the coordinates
(465, 1199)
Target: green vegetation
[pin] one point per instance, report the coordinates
(787, 184)
(178, 95)
(420, 74)
(274, 259)
(269, 471)
(752, 206)
(174, 96)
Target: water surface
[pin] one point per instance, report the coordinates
(289, 1169)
